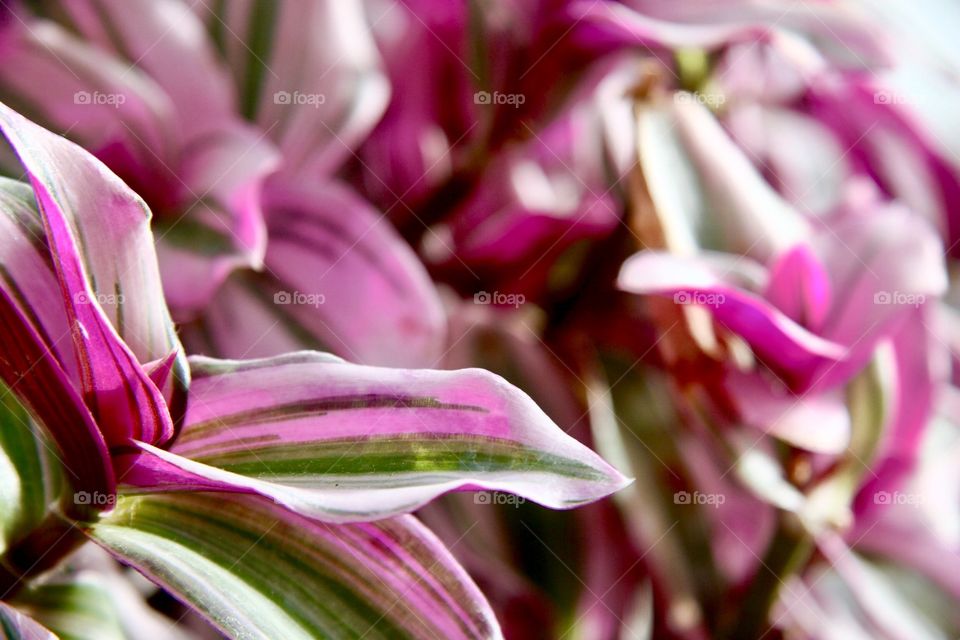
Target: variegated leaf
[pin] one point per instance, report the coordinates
(345, 442)
(257, 570)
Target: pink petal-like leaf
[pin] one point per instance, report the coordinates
(345, 442)
(815, 422)
(99, 236)
(770, 332)
(35, 378)
(18, 626)
(221, 227)
(167, 41)
(337, 277)
(308, 73)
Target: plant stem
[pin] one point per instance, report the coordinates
(789, 550)
(42, 549)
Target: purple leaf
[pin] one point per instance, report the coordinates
(337, 276)
(345, 442)
(35, 378)
(98, 232)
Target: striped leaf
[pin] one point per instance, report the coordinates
(338, 278)
(64, 82)
(17, 626)
(379, 305)
(307, 72)
(345, 442)
(185, 69)
(29, 475)
(98, 234)
(159, 111)
(257, 570)
(27, 272)
(33, 378)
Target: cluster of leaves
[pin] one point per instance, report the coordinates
(243, 309)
